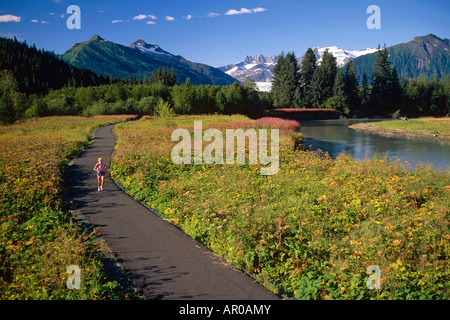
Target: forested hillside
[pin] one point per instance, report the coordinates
(428, 56)
(37, 71)
(139, 60)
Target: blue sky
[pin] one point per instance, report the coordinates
(223, 32)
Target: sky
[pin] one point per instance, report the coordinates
(219, 33)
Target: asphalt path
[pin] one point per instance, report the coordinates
(163, 262)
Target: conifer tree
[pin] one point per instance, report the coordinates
(381, 82)
(330, 69)
(309, 65)
(364, 90)
(351, 86)
(395, 93)
(338, 101)
(317, 93)
(286, 80)
(322, 83)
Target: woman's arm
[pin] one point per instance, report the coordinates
(95, 167)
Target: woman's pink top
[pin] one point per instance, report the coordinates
(101, 167)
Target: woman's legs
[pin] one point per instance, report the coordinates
(100, 181)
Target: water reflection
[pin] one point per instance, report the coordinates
(334, 137)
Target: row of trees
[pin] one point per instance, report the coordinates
(129, 98)
(325, 85)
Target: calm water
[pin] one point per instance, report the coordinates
(334, 137)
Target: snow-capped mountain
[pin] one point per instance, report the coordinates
(260, 68)
(342, 56)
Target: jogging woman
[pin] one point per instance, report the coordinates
(100, 167)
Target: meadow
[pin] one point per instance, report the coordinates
(38, 237)
(437, 127)
(312, 230)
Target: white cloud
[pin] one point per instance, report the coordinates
(10, 18)
(144, 16)
(232, 12)
(36, 21)
(188, 17)
(116, 21)
(213, 14)
(140, 17)
(169, 18)
(259, 9)
(150, 22)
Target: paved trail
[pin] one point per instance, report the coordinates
(164, 263)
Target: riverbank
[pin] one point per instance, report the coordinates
(422, 128)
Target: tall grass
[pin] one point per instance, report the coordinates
(313, 228)
(38, 239)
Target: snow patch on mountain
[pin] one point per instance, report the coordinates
(149, 49)
(342, 56)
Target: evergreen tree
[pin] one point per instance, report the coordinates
(286, 80)
(322, 83)
(351, 87)
(317, 92)
(395, 94)
(338, 101)
(364, 94)
(365, 89)
(330, 69)
(381, 82)
(309, 65)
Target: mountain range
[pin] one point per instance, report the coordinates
(428, 55)
(139, 59)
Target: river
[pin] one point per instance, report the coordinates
(334, 137)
